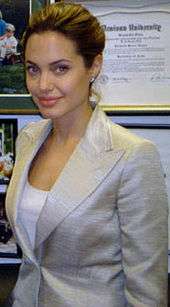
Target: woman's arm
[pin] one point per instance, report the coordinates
(143, 215)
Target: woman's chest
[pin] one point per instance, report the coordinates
(48, 164)
(89, 233)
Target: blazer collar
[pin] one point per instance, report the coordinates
(91, 161)
(97, 135)
(89, 164)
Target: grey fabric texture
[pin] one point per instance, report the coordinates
(101, 237)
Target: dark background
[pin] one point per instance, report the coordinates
(17, 13)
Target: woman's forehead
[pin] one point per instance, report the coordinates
(52, 41)
(50, 47)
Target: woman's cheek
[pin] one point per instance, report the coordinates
(31, 85)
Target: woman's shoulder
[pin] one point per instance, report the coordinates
(125, 139)
(33, 126)
(125, 135)
(33, 130)
(120, 136)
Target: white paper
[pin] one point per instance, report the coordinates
(136, 69)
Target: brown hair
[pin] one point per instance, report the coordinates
(75, 22)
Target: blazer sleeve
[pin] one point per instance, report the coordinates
(143, 216)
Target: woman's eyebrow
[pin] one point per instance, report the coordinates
(59, 61)
(30, 62)
(51, 63)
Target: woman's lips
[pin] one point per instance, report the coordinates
(48, 101)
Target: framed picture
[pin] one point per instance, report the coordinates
(136, 71)
(14, 98)
(15, 14)
(8, 134)
(8, 247)
(136, 68)
(156, 129)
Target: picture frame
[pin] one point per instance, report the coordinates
(156, 129)
(8, 247)
(10, 253)
(136, 69)
(8, 134)
(14, 98)
(16, 15)
(158, 102)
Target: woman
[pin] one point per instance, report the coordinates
(87, 200)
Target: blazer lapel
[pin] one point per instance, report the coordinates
(85, 170)
(29, 146)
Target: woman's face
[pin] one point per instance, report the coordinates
(56, 75)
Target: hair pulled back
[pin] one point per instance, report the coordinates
(75, 22)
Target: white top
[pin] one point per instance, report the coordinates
(31, 205)
(11, 41)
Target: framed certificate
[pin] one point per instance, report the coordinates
(136, 68)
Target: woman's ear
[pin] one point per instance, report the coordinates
(96, 66)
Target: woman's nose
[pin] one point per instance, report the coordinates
(45, 82)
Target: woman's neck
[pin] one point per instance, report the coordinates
(71, 126)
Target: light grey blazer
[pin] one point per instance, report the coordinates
(101, 237)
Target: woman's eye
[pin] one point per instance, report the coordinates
(32, 70)
(61, 69)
